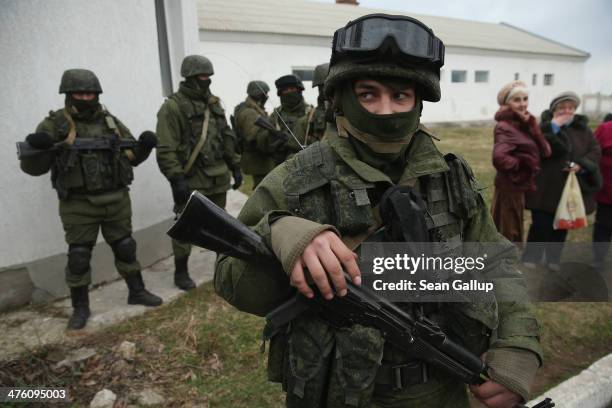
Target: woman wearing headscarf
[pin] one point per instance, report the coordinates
(574, 149)
(519, 145)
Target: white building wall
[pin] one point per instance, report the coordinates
(39, 39)
(236, 63)
(478, 101)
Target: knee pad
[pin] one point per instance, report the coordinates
(125, 249)
(78, 259)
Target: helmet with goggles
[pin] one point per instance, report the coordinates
(387, 45)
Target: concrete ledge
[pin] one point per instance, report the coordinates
(591, 388)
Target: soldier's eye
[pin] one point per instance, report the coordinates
(365, 96)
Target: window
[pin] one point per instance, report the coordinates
(481, 76)
(305, 74)
(534, 79)
(458, 76)
(517, 76)
(548, 79)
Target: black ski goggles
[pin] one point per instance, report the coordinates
(371, 35)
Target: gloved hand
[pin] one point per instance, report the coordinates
(237, 179)
(147, 139)
(40, 140)
(180, 190)
(279, 140)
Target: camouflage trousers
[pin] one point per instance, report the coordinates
(337, 368)
(82, 219)
(181, 249)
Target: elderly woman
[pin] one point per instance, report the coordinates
(519, 145)
(574, 149)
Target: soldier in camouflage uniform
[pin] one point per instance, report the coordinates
(199, 150)
(258, 144)
(329, 191)
(292, 111)
(314, 125)
(92, 187)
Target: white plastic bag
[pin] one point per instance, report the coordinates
(570, 212)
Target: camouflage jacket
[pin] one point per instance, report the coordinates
(297, 120)
(83, 172)
(256, 151)
(326, 183)
(180, 122)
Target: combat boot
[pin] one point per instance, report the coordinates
(138, 295)
(80, 307)
(181, 274)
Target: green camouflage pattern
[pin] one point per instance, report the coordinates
(79, 80)
(179, 126)
(196, 65)
(296, 119)
(90, 172)
(256, 159)
(83, 217)
(90, 203)
(299, 187)
(319, 75)
(428, 81)
(257, 89)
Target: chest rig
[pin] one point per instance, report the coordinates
(194, 113)
(323, 188)
(89, 171)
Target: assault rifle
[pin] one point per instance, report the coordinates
(111, 143)
(281, 137)
(204, 224)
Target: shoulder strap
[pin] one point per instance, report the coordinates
(310, 115)
(71, 126)
(201, 142)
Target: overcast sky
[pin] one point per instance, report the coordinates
(583, 24)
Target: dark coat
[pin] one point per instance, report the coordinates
(574, 143)
(518, 147)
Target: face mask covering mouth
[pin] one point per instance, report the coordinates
(291, 100)
(382, 133)
(83, 106)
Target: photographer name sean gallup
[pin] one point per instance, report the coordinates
(424, 285)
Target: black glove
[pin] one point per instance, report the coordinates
(147, 140)
(40, 140)
(180, 190)
(279, 141)
(237, 179)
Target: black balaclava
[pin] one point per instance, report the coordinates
(82, 107)
(291, 100)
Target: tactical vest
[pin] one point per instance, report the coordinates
(323, 188)
(210, 157)
(89, 172)
(292, 119)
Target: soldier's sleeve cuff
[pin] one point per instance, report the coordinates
(513, 368)
(291, 235)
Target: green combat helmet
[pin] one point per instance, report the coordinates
(196, 65)
(79, 80)
(395, 48)
(320, 73)
(257, 89)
